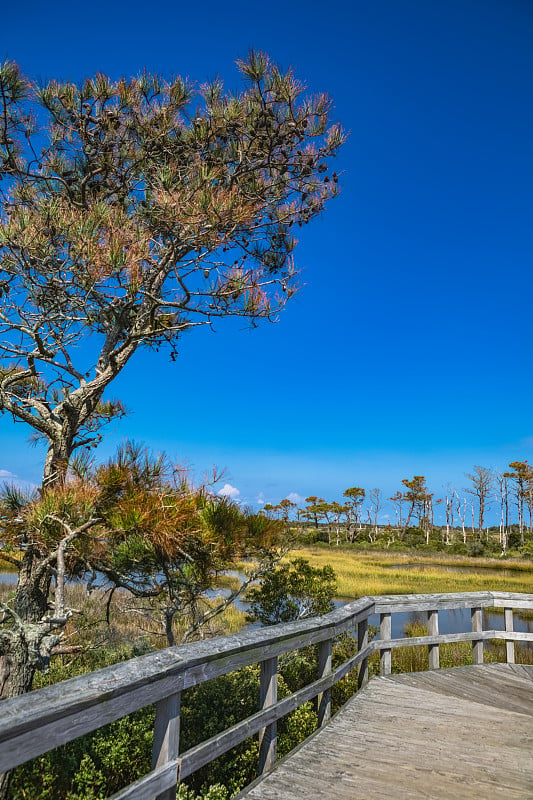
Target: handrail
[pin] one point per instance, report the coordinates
(34, 723)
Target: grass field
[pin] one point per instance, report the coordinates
(360, 574)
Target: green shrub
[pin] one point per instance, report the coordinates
(95, 766)
(215, 705)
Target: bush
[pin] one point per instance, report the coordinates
(514, 539)
(213, 706)
(527, 550)
(475, 549)
(95, 766)
(292, 591)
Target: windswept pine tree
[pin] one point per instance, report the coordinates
(131, 211)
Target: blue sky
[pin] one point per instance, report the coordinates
(408, 349)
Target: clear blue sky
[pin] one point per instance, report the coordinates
(409, 348)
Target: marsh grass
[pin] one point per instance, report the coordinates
(224, 581)
(360, 574)
(101, 620)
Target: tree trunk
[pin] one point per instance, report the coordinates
(27, 644)
(17, 666)
(57, 461)
(407, 521)
(24, 650)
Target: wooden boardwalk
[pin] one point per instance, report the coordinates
(451, 734)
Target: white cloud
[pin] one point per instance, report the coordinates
(229, 491)
(260, 499)
(294, 497)
(21, 483)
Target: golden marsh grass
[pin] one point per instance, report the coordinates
(131, 621)
(359, 574)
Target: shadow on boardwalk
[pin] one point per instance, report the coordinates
(450, 734)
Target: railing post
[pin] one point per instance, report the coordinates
(324, 668)
(509, 645)
(362, 641)
(268, 695)
(477, 644)
(433, 649)
(166, 743)
(385, 633)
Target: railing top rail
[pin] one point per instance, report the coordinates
(434, 602)
(90, 701)
(183, 666)
(426, 602)
(512, 600)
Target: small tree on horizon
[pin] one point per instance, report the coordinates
(355, 497)
(482, 484)
(419, 501)
(521, 476)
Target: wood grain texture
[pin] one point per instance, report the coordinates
(32, 724)
(166, 737)
(35, 723)
(438, 735)
(509, 627)
(385, 633)
(268, 696)
(362, 644)
(477, 626)
(433, 630)
(324, 669)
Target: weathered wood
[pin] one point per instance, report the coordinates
(445, 747)
(166, 738)
(33, 724)
(512, 600)
(513, 636)
(477, 644)
(478, 685)
(385, 632)
(443, 638)
(145, 679)
(433, 649)
(430, 602)
(362, 644)
(324, 668)
(509, 645)
(153, 784)
(268, 695)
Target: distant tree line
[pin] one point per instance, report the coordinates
(465, 510)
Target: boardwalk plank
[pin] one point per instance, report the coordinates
(441, 735)
(483, 686)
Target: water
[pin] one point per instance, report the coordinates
(10, 578)
(451, 620)
(454, 620)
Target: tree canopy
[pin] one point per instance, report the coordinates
(292, 591)
(131, 212)
(134, 210)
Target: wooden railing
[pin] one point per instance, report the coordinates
(37, 722)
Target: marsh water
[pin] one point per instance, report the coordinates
(455, 620)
